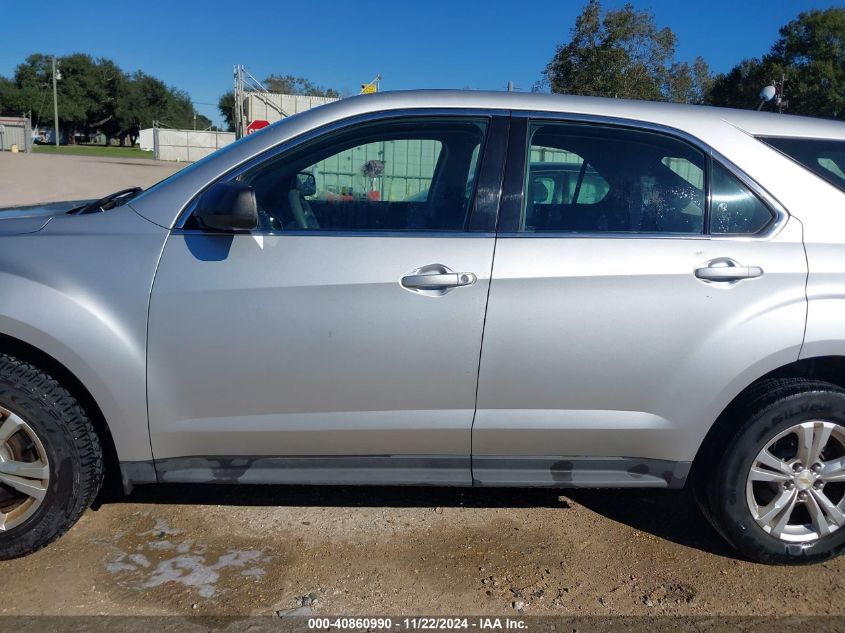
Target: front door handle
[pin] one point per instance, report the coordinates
(438, 281)
(726, 269)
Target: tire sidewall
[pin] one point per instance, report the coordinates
(739, 525)
(45, 419)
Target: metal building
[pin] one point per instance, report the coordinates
(15, 131)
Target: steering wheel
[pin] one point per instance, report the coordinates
(303, 216)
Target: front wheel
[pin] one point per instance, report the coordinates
(777, 492)
(51, 465)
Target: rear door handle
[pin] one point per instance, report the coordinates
(726, 269)
(438, 281)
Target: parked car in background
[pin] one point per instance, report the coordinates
(447, 288)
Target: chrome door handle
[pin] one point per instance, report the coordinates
(726, 269)
(438, 281)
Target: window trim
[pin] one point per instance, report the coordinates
(493, 156)
(511, 207)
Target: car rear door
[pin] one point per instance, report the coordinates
(338, 342)
(623, 316)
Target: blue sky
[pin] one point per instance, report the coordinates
(432, 44)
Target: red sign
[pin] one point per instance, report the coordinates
(256, 125)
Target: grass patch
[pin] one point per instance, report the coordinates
(112, 151)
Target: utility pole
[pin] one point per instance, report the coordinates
(55, 105)
(781, 102)
(237, 113)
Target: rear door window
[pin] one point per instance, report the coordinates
(593, 179)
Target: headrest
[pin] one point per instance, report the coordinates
(305, 183)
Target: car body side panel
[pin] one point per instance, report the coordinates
(824, 239)
(286, 345)
(610, 347)
(79, 291)
(826, 301)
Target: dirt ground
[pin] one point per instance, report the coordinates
(33, 178)
(251, 550)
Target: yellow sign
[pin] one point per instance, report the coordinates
(367, 89)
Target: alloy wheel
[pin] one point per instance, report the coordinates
(24, 470)
(796, 486)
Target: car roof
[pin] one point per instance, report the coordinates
(162, 203)
(671, 114)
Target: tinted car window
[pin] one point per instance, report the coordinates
(587, 178)
(825, 158)
(410, 175)
(686, 169)
(734, 209)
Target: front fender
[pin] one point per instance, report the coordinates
(79, 291)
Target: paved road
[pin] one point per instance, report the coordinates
(200, 550)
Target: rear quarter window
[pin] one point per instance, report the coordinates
(823, 157)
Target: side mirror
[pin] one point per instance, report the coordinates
(227, 206)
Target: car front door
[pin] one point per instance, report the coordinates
(625, 313)
(340, 341)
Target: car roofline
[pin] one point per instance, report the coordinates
(673, 114)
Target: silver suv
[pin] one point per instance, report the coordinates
(447, 288)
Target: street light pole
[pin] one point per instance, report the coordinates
(55, 105)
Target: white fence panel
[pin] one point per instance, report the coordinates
(187, 146)
(145, 139)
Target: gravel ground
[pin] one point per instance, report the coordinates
(249, 550)
(252, 550)
(33, 178)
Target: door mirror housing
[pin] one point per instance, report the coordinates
(227, 206)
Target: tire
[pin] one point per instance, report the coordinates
(55, 428)
(769, 418)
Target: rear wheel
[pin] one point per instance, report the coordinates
(777, 491)
(51, 465)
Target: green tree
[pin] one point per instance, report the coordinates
(226, 105)
(12, 101)
(288, 84)
(95, 95)
(622, 53)
(203, 122)
(29, 90)
(87, 92)
(103, 114)
(809, 55)
(80, 93)
(740, 88)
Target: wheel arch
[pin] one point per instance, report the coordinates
(825, 368)
(29, 353)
